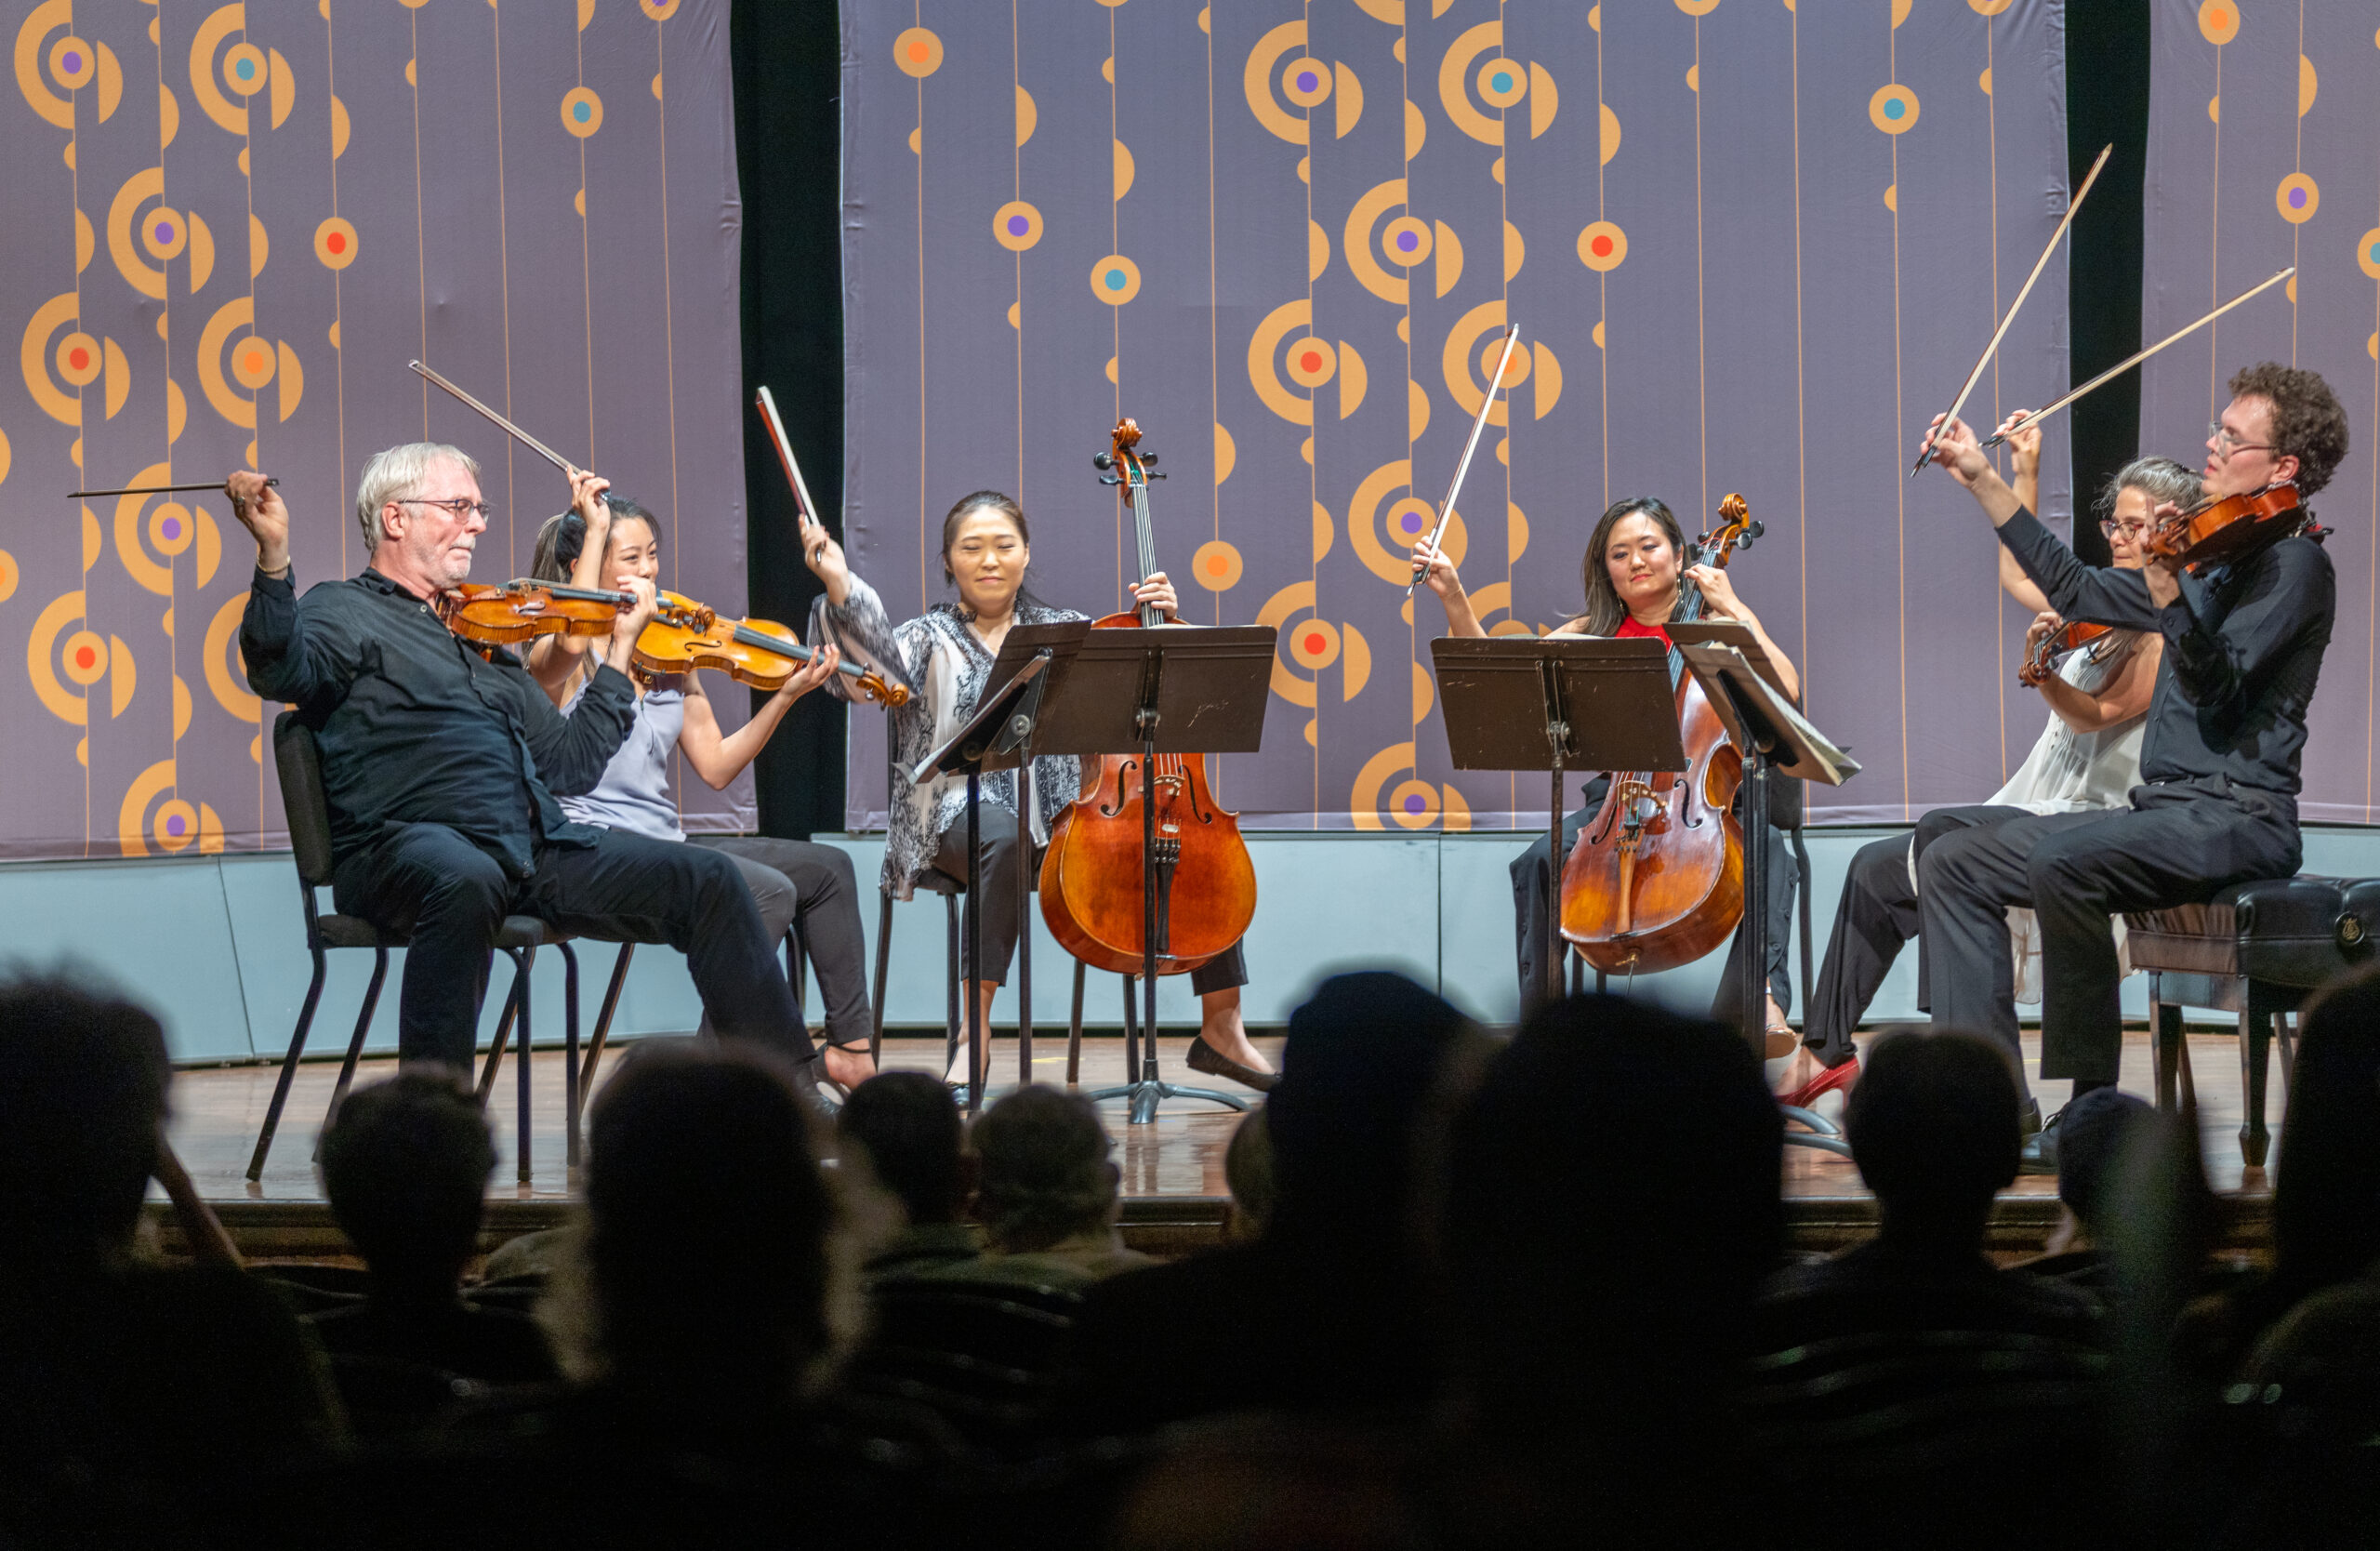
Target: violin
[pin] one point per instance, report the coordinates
(1657, 880)
(2042, 663)
(685, 635)
(505, 614)
(2231, 527)
(1092, 873)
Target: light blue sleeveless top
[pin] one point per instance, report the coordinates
(634, 793)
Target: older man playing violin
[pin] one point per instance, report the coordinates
(2219, 761)
(441, 766)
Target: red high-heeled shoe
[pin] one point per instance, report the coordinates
(1827, 1081)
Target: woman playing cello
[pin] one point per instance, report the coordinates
(1634, 574)
(946, 654)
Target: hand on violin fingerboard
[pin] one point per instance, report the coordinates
(631, 622)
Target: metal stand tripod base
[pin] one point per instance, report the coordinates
(1148, 1093)
(1823, 1136)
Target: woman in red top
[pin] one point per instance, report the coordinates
(1631, 574)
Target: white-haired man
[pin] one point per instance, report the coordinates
(442, 767)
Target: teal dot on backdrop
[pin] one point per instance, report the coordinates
(2376, 253)
(1503, 80)
(581, 111)
(1115, 281)
(1894, 109)
(247, 68)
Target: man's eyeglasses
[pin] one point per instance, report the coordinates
(460, 506)
(2226, 444)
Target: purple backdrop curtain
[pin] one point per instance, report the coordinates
(2262, 155)
(1751, 248)
(228, 228)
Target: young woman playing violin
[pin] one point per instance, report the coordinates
(2088, 757)
(1633, 575)
(602, 543)
(946, 654)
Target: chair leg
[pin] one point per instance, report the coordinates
(1132, 1029)
(604, 1023)
(883, 967)
(355, 1044)
(1074, 1029)
(296, 1049)
(2164, 1044)
(1801, 909)
(951, 990)
(2288, 1043)
(570, 1053)
(525, 961)
(797, 971)
(494, 1062)
(1024, 996)
(2256, 1050)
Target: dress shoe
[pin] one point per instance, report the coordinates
(1206, 1058)
(1828, 1081)
(805, 1087)
(2038, 1155)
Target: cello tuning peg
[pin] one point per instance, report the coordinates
(1103, 461)
(1149, 460)
(1758, 528)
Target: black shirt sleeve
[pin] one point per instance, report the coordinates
(294, 652)
(2095, 594)
(573, 751)
(2221, 658)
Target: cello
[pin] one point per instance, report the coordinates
(1092, 873)
(1657, 878)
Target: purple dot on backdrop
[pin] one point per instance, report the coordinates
(73, 61)
(1414, 804)
(1307, 80)
(164, 232)
(1018, 226)
(171, 527)
(174, 826)
(1407, 242)
(2297, 199)
(1410, 522)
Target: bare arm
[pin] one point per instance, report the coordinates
(719, 757)
(2025, 464)
(2118, 700)
(1438, 575)
(552, 660)
(1719, 595)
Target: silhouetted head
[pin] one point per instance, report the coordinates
(711, 1254)
(1043, 1171)
(1933, 1127)
(83, 1077)
(1611, 1206)
(405, 1163)
(909, 1130)
(1362, 1061)
(2092, 1132)
(1248, 1173)
(2326, 1182)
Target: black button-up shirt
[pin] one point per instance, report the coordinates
(415, 727)
(2243, 645)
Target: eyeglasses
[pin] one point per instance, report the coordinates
(2226, 444)
(2109, 527)
(459, 506)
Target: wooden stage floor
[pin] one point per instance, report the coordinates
(1173, 1170)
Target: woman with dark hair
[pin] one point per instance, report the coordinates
(946, 654)
(1634, 574)
(795, 884)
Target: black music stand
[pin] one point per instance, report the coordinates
(1557, 703)
(1000, 736)
(1176, 689)
(1764, 725)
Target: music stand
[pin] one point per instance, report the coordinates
(1557, 703)
(1762, 724)
(1176, 689)
(1000, 736)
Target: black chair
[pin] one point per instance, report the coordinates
(990, 1359)
(797, 969)
(2255, 949)
(297, 758)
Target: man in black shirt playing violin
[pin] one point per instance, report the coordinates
(440, 766)
(2219, 763)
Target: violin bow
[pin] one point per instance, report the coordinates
(2123, 366)
(777, 438)
(1992, 349)
(1479, 424)
(506, 425)
(153, 489)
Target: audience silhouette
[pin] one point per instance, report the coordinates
(904, 1128)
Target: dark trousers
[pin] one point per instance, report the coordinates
(2174, 846)
(1530, 877)
(450, 896)
(1000, 856)
(1875, 916)
(809, 889)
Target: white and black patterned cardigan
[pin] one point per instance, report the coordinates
(944, 666)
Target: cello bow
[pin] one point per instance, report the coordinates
(1478, 424)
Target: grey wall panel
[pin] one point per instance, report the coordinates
(158, 930)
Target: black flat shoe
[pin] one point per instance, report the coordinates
(2038, 1155)
(1206, 1059)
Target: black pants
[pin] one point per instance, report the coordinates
(450, 896)
(1000, 856)
(1530, 877)
(1875, 916)
(798, 886)
(2174, 846)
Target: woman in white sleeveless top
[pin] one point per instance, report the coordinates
(2088, 757)
(795, 884)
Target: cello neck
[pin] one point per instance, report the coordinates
(1145, 536)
